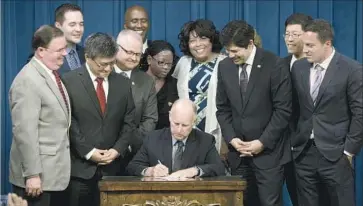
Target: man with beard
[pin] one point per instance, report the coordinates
(69, 19)
(137, 19)
(143, 89)
(253, 110)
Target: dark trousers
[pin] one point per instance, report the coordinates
(84, 192)
(264, 186)
(314, 171)
(289, 175)
(47, 198)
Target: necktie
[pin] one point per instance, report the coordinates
(101, 94)
(72, 60)
(60, 87)
(124, 74)
(243, 81)
(314, 90)
(178, 156)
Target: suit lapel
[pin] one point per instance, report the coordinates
(167, 150)
(190, 151)
(52, 85)
(112, 92)
(233, 78)
(305, 77)
(90, 88)
(329, 74)
(254, 76)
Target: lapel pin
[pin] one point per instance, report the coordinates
(258, 66)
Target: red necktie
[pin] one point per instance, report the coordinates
(60, 87)
(101, 94)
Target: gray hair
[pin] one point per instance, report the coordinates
(100, 45)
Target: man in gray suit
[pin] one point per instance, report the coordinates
(329, 107)
(40, 111)
(143, 88)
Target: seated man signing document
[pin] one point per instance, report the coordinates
(179, 151)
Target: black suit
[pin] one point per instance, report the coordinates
(199, 151)
(263, 115)
(90, 129)
(337, 121)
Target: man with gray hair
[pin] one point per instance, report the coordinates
(143, 89)
(181, 150)
(102, 119)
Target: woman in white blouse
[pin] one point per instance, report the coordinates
(196, 72)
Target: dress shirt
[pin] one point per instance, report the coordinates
(249, 63)
(118, 71)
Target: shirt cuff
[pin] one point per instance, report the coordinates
(347, 153)
(200, 171)
(89, 155)
(143, 172)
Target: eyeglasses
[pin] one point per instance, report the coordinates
(104, 65)
(163, 64)
(131, 53)
(294, 35)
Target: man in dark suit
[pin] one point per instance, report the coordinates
(69, 19)
(253, 109)
(181, 151)
(102, 119)
(294, 28)
(330, 123)
(143, 89)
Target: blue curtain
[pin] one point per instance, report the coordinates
(20, 18)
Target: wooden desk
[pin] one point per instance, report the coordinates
(137, 191)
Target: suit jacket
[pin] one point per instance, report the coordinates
(199, 151)
(337, 117)
(90, 129)
(40, 129)
(146, 111)
(263, 115)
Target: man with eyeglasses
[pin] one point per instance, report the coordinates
(143, 89)
(40, 162)
(294, 27)
(102, 119)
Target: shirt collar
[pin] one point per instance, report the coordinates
(49, 71)
(93, 77)
(175, 140)
(327, 61)
(250, 59)
(68, 49)
(118, 71)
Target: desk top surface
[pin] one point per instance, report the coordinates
(123, 183)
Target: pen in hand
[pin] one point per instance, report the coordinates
(159, 162)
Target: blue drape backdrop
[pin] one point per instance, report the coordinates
(20, 18)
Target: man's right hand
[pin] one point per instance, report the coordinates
(241, 146)
(97, 155)
(158, 170)
(33, 186)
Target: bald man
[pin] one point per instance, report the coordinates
(137, 19)
(179, 151)
(143, 90)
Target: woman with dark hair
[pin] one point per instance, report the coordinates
(158, 61)
(196, 72)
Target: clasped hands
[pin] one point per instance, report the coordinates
(247, 149)
(104, 157)
(161, 170)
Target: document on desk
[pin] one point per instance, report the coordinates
(169, 178)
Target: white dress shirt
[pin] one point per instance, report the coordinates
(249, 63)
(118, 71)
(293, 60)
(105, 88)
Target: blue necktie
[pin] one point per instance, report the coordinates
(72, 60)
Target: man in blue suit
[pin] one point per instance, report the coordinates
(69, 19)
